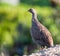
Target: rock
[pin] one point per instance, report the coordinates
(52, 51)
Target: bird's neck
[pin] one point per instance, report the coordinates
(34, 17)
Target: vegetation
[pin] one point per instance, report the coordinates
(15, 21)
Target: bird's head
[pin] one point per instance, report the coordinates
(32, 11)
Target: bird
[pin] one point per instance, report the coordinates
(39, 33)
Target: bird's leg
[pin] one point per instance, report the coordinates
(43, 47)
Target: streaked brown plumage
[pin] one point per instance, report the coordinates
(40, 34)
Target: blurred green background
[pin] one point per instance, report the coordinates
(15, 23)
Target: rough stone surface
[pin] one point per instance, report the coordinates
(53, 51)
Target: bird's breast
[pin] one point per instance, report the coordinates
(35, 32)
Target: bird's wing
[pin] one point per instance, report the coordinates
(45, 35)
